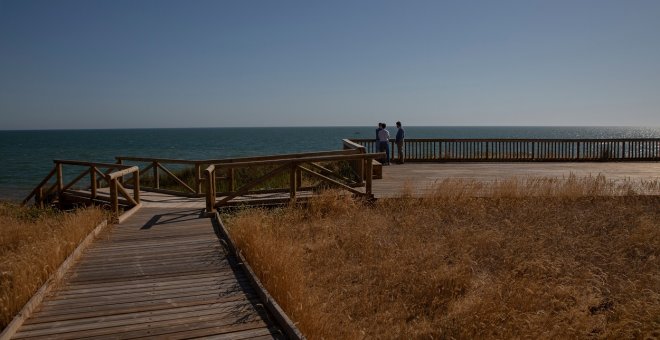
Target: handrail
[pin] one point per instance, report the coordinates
(123, 172)
(295, 167)
(179, 186)
(113, 176)
(525, 150)
(305, 160)
(358, 140)
(237, 159)
(96, 164)
(356, 166)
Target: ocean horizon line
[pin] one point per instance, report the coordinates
(331, 126)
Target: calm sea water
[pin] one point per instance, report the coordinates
(27, 155)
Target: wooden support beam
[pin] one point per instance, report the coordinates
(209, 176)
(127, 196)
(40, 185)
(327, 171)
(136, 186)
(293, 182)
(59, 178)
(198, 178)
(156, 176)
(114, 198)
(332, 181)
(369, 172)
(177, 179)
(92, 181)
(244, 189)
(75, 180)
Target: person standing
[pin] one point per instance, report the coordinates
(400, 137)
(384, 142)
(380, 127)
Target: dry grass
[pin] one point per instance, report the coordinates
(33, 244)
(526, 259)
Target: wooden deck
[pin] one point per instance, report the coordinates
(161, 274)
(419, 177)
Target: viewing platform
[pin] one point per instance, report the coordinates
(169, 269)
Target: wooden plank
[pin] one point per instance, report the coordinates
(82, 288)
(90, 312)
(136, 288)
(145, 327)
(170, 279)
(134, 319)
(150, 313)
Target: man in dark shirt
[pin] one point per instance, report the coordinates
(400, 136)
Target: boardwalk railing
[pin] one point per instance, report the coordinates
(295, 167)
(184, 177)
(77, 190)
(524, 150)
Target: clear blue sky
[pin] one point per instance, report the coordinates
(133, 63)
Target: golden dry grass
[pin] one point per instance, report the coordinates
(33, 244)
(525, 259)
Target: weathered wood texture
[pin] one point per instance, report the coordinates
(420, 178)
(161, 274)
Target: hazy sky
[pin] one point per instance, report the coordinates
(116, 64)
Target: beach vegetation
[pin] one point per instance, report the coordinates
(33, 244)
(532, 258)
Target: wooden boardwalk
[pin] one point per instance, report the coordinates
(161, 274)
(419, 177)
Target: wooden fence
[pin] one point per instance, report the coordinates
(295, 167)
(54, 188)
(523, 150)
(160, 174)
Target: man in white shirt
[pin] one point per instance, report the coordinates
(384, 143)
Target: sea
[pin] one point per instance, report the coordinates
(27, 156)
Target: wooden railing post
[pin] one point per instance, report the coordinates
(360, 170)
(156, 175)
(209, 177)
(198, 178)
(92, 181)
(298, 177)
(39, 198)
(231, 180)
(136, 186)
(60, 181)
(114, 198)
(120, 179)
(369, 174)
(293, 182)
